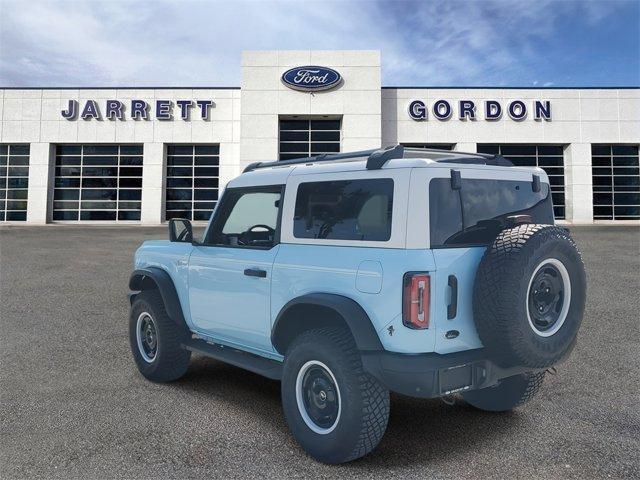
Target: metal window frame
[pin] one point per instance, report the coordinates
(193, 177)
(4, 210)
(309, 151)
(81, 177)
(612, 190)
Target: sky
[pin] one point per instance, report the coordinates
(534, 43)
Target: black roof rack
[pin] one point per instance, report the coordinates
(377, 158)
(309, 160)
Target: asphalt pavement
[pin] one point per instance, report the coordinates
(72, 404)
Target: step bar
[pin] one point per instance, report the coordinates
(254, 363)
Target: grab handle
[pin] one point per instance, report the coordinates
(452, 308)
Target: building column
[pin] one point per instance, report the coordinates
(153, 183)
(466, 147)
(578, 183)
(41, 178)
(229, 165)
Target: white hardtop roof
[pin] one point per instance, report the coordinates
(275, 174)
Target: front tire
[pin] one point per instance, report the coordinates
(156, 339)
(335, 410)
(510, 393)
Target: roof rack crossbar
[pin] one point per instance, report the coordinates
(378, 158)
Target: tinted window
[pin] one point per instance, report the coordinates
(548, 157)
(429, 146)
(475, 214)
(445, 211)
(192, 174)
(14, 182)
(98, 172)
(248, 218)
(307, 138)
(344, 210)
(616, 182)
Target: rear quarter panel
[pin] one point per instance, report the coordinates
(463, 264)
(347, 271)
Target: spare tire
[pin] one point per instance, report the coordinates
(529, 296)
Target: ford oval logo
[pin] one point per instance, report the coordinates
(311, 78)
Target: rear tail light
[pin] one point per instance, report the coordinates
(416, 297)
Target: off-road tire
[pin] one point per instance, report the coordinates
(364, 402)
(510, 393)
(501, 293)
(171, 360)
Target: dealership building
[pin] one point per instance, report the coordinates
(145, 155)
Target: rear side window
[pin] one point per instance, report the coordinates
(344, 210)
(475, 214)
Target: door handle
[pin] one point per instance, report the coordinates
(255, 272)
(452, 308)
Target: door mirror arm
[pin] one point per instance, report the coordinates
(180, 230)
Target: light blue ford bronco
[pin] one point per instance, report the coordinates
(348, 276)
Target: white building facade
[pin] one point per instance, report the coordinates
(144, 155)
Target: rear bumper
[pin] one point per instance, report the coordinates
(430, 375)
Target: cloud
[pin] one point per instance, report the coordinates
(198, 43)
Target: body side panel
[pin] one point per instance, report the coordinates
(304, 269)
(173, 258)
(225, 302)
(463, 264)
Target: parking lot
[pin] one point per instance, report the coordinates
(72, 404)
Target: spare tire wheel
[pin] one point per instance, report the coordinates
(529, 295)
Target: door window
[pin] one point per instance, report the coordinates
(248, 218)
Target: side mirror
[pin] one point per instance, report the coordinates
(180, 230)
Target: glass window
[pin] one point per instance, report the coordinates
(344, 210)
(192, 174)
(616, 182)
(106, 178)
(247, 218)
(14, 182)
(430, 146)
(307, 138)
(548, 157)
(475, 214)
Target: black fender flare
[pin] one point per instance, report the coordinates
(349, 310)
(166, 288)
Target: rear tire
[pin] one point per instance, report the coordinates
(156, 340)
(335, 410)
(510, 393)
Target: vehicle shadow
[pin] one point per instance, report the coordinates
(252, 393)
(428, 430)
(439, 431)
